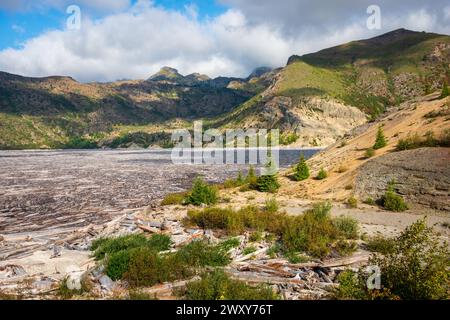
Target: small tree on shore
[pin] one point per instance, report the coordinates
(268, 182)
(201, 193)
(301, 170)
(380, 141)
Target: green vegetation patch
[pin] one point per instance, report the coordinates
(217, 285)
(413, 266)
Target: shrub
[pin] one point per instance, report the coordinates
(235, 222)
(248, 250)
(202, 193)
(217, 218)
(301, 170)
(229, 244)
(347, 227)
(200, 253)
(233, 183)
(414, 141)
(287, 139)
(138, 295)
(255, 236)
(218, 286)
(251, 176)
(414, 266)
(380, 141)
(173, 198)
(352, 202)
(271, 205)
(274, 250)
(117, 263)
(322, 174)
(418, 266)
(345, 248)
(104, 246)
(342, 169)
(267, 183)
(295, 257)
(392, 201)
(370, 152)
(380, 244)
(350, 287)
(312, 232)
(146, 267)
(445, 91)
(369, 201)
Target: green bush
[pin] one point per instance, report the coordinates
(415, 141)
(201, 193)
(230, 244)
(322, 174)
(104, 246)
(255, 236)
(370, 201)
(392, 201)
(445, 92)
(271, 205)
(350, 287)
(347, 227)
(218, 286)
(345, 248)
(418, 266)
(380, 244)
(413, 266)
(295, 257)
(352, 202)
(312, 232)
(301, 170)
(380, 141)
(235, 222)
(267, 183)
(370, 152)
(274, 250)
(117, 263)
(146, 267)
(287, 139)
(174, 198)
(248, 250)
(138, 295)
(200, 253)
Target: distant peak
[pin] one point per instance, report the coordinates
(166, 73)
(259, 72)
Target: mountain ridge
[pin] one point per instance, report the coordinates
(345, 83)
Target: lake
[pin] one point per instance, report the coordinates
(41, 190)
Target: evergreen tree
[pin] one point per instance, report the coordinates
(301, 170)
(268, 182)
(201, 193)
(380, 141)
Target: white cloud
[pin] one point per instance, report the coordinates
(138, 41)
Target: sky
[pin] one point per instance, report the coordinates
(133, 39)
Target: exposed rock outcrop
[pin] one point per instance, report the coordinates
(422, 176)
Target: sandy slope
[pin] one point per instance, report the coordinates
(349, 156)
